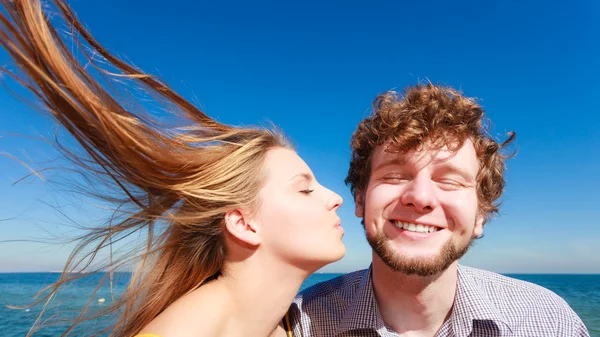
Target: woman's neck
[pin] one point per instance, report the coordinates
(260, 294)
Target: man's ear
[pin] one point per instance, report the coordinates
(478, 229)
(242, 227)
(359, 204)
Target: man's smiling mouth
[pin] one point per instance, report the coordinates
(416, 228)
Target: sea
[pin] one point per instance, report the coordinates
(582, 292)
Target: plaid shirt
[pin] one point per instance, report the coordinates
(486, 304)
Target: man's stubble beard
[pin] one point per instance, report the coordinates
(420, 266)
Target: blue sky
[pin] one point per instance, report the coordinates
(313, 68)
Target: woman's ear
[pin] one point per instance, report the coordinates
(242, 227)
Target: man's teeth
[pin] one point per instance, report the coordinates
(411, 227)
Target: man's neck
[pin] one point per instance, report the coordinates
(413, 305)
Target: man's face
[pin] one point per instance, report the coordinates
(420, 207)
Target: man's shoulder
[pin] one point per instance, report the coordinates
(340, 286)
(337, 291)
(319, 309)
(497, 285)
(513, 296)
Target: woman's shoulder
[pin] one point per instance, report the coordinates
(198, 313)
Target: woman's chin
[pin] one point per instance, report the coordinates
(337, 253)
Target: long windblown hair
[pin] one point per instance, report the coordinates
(177, 183)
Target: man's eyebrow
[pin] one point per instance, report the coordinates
(396, 160)
(450, 168)
(305, 176)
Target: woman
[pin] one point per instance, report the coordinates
(234, 220)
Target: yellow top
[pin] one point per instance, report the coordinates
(286, 325)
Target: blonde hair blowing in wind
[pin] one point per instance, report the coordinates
(177, 183)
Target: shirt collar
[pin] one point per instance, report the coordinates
(470, 304)
(363, 311)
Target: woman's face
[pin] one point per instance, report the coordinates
(296, 215)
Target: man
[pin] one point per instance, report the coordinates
(426, 177)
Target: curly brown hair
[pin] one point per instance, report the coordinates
(436, 114)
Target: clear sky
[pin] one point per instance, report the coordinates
(313, 68)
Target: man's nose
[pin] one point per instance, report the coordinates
(420, 195)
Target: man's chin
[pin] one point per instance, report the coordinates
(425, 264)
(418, 266)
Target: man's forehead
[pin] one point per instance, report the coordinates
(387, 153)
